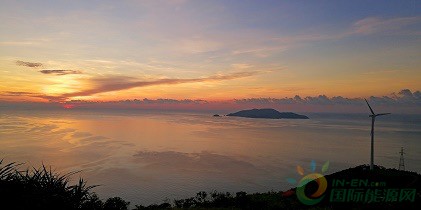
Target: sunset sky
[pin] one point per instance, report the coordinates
(58, 51)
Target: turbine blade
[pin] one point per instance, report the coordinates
(383, 114)
(372, 112)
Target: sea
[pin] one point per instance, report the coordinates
(148, 157)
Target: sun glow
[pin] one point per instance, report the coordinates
(68, 106)
(61, 85)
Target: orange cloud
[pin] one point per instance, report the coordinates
(117, 83)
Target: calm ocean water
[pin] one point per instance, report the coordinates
(146, 157)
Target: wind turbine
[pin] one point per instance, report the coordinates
(373, 118)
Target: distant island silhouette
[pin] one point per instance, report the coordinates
(267, 114)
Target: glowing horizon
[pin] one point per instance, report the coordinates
(56, 51)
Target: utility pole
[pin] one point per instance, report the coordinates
(401, 160)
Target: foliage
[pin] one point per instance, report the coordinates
(41, 188)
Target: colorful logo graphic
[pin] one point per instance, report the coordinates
(316, 196)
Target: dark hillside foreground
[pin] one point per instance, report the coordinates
(353, 188)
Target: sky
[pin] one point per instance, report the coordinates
(221, 53)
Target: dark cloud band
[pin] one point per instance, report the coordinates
(404, 96)
(28, 64)
(60, 72)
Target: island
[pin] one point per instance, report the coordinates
(267, 114)
(216, 115)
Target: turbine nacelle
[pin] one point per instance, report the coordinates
(375, 115)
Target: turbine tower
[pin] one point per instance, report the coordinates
(373, 118)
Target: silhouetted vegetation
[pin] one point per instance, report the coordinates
(41, 188)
